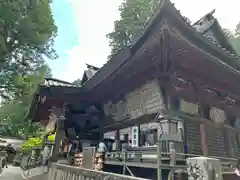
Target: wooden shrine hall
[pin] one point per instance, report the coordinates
(173, 68)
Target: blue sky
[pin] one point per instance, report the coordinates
(82, 28)
(67, 34)
(83, 25)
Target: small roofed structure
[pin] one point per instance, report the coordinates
(65, 104)
(52, 93)
(91, 70)
(209, 27)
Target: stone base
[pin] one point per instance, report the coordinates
(204, 168)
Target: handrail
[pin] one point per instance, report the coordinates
(148, 158)
(66, 172)
(152, 149)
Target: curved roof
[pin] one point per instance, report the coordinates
(51, 82)
(208, 25)
(166, 12)
(218, 53)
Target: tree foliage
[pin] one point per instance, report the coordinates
(134, 17)
(237, 30)
(14, 110)
(27, 34)
(228, 33)
(234, 37)
(35, 143)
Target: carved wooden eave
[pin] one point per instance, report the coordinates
(52, 92)
(112, 125)
(194, 91)
(168, 44)
(209, 26)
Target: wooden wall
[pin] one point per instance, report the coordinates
(146, 99)
(220, 140)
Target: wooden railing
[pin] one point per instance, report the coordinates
(147, 157)
(65, 172)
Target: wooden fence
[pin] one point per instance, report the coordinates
(65, 172)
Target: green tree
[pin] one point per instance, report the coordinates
(27, 33)
(14, 110)
(234, 37)
(237, 30)
(134, 17)
(228, 33)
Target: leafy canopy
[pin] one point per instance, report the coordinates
(134, 17)
(135, 14)
(35, 143)
(14, 111)
(27, 33)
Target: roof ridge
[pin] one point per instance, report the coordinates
(207, 37)
(57, 80)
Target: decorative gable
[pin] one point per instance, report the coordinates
(91, 70)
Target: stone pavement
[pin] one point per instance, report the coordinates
(40, 177)
(35, 173)
(11, 173)
(16, 173)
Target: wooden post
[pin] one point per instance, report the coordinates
(60, 134)
(118, 139)
(203, 139)
(139, 136)
(228, 141)
(59, 115)
(202, 125)
(159, 158)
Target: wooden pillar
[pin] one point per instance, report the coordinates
(203, 139)
(202, 127)
(60, 135)
(139, 135)
(228, 141)
(60, 132)
(118, 139)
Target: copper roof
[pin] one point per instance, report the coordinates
(51, 82)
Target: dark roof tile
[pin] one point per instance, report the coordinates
(52, 82)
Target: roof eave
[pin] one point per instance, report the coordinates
(165, 10)
(224, 38)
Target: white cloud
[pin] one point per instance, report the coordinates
(94, 19)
